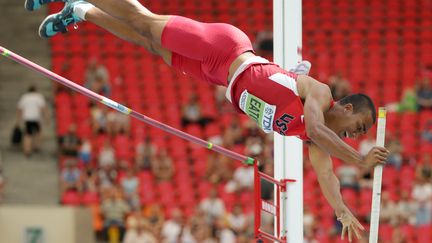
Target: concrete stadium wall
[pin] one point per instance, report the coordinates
(34, 224)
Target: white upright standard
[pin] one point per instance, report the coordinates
(288, 155)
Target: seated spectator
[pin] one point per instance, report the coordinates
(388, 209)
(233, 135)
(162, 166)
(107, 177)
(263, 44)
(254, 146)
(213, 206)
(191, 112)
(175, 229)
(367, 144)
(90, 180)
(69, 143)
(242, 179)
(101, 86)
(339, 86)
(107, 155)
(117, 123)
(98, 118)
(237, 220)
(365, 178)
(408, 103)
(223, 232)
(348, 176)
(426, 133)
(422, 194)
(138, 230)
(398, 236)
(155, 216)
(395, 156)
(145, 152)
(70, 176)
(424, 94)
(129, 185)
(85, 152)
(114, 210)
(424, 168)
(406, 208)
(95, 70)
(218, 168)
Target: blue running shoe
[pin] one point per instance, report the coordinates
(36, 4)
(58, 22)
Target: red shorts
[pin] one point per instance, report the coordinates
(204, 50)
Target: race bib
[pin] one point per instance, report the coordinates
(258, 110)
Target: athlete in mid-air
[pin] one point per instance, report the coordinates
(278, 100)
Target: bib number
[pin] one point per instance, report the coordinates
(261, 112)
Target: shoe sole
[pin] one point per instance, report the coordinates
(42, 29)
(28, 4)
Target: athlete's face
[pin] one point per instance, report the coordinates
(352, 124)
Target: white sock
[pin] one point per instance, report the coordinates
(81, 9)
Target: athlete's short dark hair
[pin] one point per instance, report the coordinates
(361, 103)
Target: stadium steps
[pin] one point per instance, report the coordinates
(33, 180)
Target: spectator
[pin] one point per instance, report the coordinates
(162, 166)
(395, 156)
(174, 230)
(237, 220)
(242, 179)
(107, 155)
(223, 232)
(264, 43)
(95, 71)
(138, 230)
(339, 86)
(367, 144)
(424, 94)
(348, 176)
(388, 209)
(107, 177)
(145, 152)
(70, 176)
(191, 112)
(213, 206)
(398, 236)
(31, 109)
(426, 133)
(98, 118)
(422, 194)
(117, 123)
(365, 178)
(406, 208)
(90, 180)
(70, 142)
(155, 217)
(218, 168)
(114, 210)
(408, 102)
(424, 168)
(85, 152)
(129, 185)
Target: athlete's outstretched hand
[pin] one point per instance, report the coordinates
(350, 225)
(377, 155)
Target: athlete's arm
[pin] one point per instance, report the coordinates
(317, 100)
(329, 183)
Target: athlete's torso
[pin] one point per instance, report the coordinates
(268, 94)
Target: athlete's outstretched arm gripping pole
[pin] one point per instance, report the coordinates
(108, 102)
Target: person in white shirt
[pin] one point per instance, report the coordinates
(32, 109)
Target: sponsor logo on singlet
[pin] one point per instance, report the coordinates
(260, 111)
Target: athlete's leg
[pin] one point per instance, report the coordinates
(136, 15)
(120, 29)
